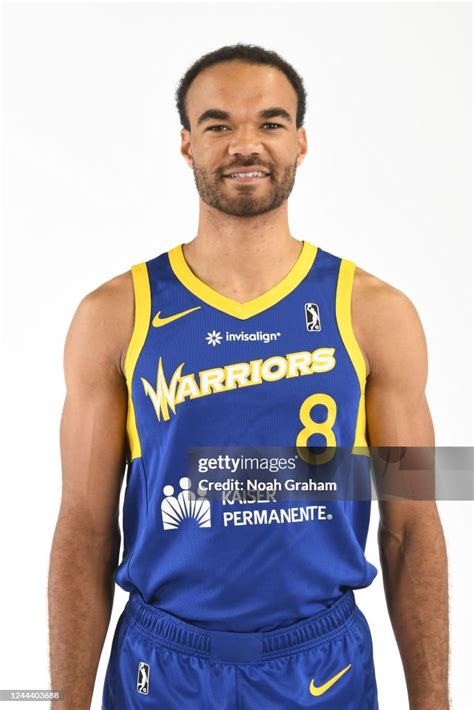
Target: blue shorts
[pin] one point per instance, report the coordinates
(323, 662)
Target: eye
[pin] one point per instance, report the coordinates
(214, 128)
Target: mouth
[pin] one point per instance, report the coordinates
(247, 177)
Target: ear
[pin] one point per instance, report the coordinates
(186, 150)
(302, 145)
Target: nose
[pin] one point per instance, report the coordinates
(245, 141)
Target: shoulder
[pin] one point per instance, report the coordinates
(377, 294)
(104, 320)
(384, 319)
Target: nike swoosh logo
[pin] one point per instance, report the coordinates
(158, 322)
(315, 690)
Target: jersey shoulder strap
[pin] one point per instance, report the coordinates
(142, 315)
(344, 291)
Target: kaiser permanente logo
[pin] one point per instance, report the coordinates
(215, 337)
(166, 395)
(175, 509)
(185, 505)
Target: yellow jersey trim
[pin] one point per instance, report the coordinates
(141, 288)
(344, 322)
(250, 308)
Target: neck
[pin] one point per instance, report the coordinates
(242, 257)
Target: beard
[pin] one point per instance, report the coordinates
(244, 200)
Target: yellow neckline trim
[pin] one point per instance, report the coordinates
(250, 308)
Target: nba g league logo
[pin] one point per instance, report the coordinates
(313, 320)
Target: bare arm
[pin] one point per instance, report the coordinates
(411, 541)
(87, 541)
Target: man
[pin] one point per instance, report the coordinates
(244, 336)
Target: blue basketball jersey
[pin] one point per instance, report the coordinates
(281, 370)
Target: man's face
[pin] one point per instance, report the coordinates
(229, 133)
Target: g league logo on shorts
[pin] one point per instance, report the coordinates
(313, 321)
(143, 679)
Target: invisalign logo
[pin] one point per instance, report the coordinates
(214, 338)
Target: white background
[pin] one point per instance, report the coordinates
(93, 182)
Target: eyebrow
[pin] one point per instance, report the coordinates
(215, 113)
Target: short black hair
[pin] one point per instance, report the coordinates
(251, 54)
